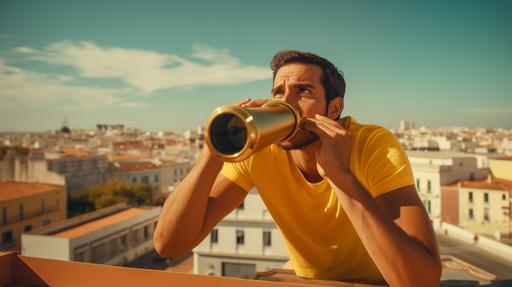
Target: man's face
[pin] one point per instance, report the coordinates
(300, 85)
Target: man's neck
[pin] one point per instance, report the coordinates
(305, 160)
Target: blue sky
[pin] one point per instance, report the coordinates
(164, 65)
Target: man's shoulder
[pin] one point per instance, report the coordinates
(365, 132)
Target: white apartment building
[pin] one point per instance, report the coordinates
(113, 235)
(481, 206)
(32, 167)
(160, 176)
(434, 169)
(244, 242)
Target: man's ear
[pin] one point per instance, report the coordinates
(335, 108)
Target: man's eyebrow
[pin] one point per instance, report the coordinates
(305, 85)
(298, 84)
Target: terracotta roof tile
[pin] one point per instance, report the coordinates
(101, 223)
(10, 190)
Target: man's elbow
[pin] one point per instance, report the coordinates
(167, 248)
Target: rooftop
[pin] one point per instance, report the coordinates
(493, 184)
(10, 190)
(136, 166)
(75, 152)
(101, 223)
(445, 154)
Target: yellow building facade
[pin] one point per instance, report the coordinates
(25, 206)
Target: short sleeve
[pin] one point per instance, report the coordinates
(239, 173)
(385, 164)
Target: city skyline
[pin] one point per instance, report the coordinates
(166, 66)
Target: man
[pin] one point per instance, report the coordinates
(341, 193)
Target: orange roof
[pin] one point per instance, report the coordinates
(70, 151)
(120, 157)
(10, 190)
(101, 223)
(502, 158)
(494, 184)
(136, 166)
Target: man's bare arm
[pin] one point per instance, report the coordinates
(394, 227)
(395, 230)
(197, 204)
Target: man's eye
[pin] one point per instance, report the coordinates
(277, 93)
(304, 90)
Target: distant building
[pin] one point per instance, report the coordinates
(501, 167)
(113, 235)
(406, 125)
(31, 167)
(80, 169)
(481, 206)
(160, 176)
(25, 206)
(74, 168)
(244, 242)
(434, 169)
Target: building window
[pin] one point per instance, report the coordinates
(214, 236)
(240, 270)
(42, 204)
(486, 214)
(470, 213)
(145, 179)
(267, 238)
(470, 197)
(156, 178)
(429, 186)
(136, 238)
(486, 197)
(134, 179)
(4, 215)
(124, 241)
(146, 232)
(418, 184)
(504, 196)
(429, 208)
(241, 206)
(27, 228)
(7, 238)
(240, 239)
(47, 222)
(21, 211)
(79, 256)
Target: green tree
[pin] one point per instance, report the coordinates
(112, 192)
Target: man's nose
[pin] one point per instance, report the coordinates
(287, 93)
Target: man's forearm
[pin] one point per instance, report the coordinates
(177, 229)
(402, 260)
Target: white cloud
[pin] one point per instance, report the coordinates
(21, 87)
(149, 71)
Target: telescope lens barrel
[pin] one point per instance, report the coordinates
(233, 133)
(228, 134)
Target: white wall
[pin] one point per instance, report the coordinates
(51, 247)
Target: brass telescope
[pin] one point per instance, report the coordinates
(233, 133)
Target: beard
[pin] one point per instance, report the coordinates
(302, 139)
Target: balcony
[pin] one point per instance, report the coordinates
(17, 270)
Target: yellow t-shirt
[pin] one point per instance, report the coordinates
(320, 239)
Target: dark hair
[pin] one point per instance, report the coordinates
(332, 78)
